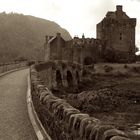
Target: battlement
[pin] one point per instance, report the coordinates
(76, 41)
(85, 42)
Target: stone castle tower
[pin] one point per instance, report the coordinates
(118, 31)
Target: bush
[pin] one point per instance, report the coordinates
(125, 66)
(108, 68)
(121, 74)
(136, 69)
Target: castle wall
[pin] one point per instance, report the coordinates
(53, 50)
(67, 54)
(56, 49)
(120, 37)
(77, 55)
(88, 53)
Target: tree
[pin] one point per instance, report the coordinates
(136, 49)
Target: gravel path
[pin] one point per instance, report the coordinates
(14, 120)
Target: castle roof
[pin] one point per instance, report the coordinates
(119, 13)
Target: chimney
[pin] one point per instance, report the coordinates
(83, 36)
(119, 8)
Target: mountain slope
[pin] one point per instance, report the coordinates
(24, 36)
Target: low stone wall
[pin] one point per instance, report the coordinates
(11, 66)
(64, 122)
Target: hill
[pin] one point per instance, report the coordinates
(24, 36)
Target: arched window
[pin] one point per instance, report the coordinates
(69, 79)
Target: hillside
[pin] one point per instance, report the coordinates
(24, 36)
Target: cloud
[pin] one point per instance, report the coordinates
(135, 0)
(77, 16)
(81, 15)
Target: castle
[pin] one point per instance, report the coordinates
(115, 42)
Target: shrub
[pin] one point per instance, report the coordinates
(121, 74)
(125, 66)
(108, 68)
(136, 69)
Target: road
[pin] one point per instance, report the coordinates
(14, 120)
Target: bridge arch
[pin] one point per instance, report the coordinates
(60, 73)
(77, 77)
(69, 78)
(58, 78)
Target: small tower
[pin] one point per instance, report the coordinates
(118, 31)
(83, 38)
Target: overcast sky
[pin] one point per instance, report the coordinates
(77, 16)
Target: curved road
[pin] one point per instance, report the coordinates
(14, 120)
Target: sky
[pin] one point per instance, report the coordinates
(77, 16)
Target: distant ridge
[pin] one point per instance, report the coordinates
(23, 36)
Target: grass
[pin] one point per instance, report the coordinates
(121, 106)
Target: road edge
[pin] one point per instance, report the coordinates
(36, 123)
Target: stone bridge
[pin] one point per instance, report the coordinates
(60, 73)
(59, 118)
